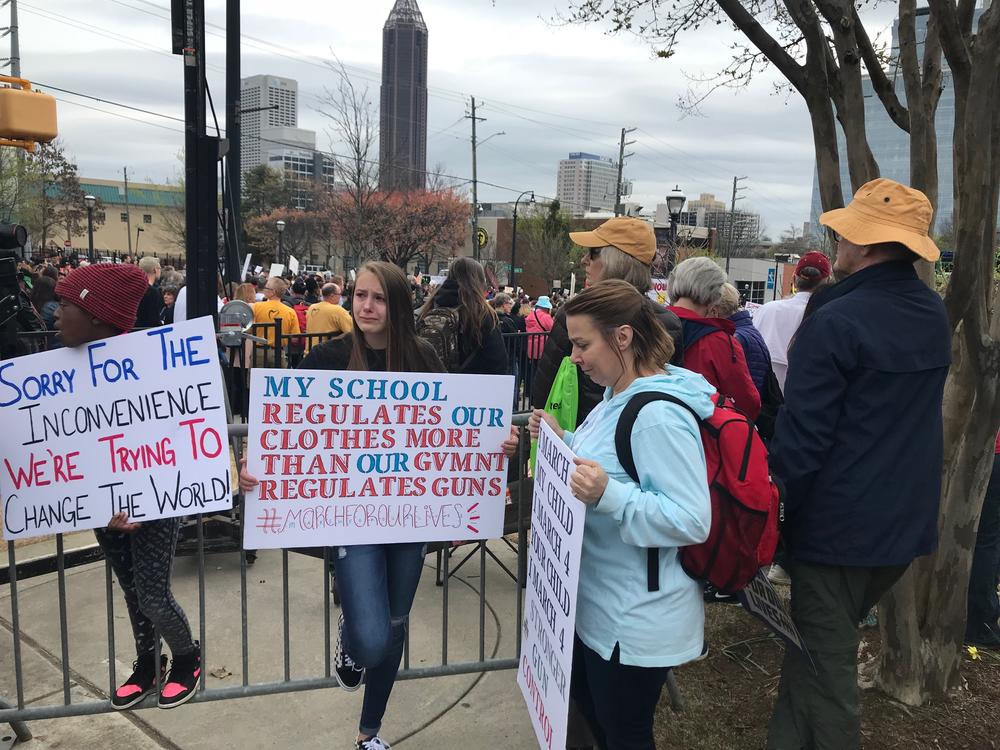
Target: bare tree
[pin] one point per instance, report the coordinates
(353, 132)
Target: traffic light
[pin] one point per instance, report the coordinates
(27, 117)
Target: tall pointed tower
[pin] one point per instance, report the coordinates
(403, 111)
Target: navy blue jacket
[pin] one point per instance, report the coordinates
(758, 357)
(859, 440)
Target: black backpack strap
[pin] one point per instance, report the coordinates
(623, 447)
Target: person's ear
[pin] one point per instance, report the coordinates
(623, 337)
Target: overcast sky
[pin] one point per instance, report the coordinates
(552, 89)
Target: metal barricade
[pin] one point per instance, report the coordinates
(515, 530)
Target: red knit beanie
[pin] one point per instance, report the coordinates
(111, 293)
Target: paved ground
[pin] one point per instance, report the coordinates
(478, 710)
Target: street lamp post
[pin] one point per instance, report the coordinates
(281, 230)
(513, 241)
(675, 204)
(137, 231)
(90, 202)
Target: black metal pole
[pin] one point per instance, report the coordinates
(90, 234)
(280, 252)
(513, 252)
(233, 168)
(201, 169)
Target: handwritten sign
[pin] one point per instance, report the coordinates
(372, 457)
(550, 600)
(133, 424)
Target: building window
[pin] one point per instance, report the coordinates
(147, 218)
(751, 291)
(124, 216)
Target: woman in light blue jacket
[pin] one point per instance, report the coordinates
(627, 637)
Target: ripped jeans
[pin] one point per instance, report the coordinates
(377, 583)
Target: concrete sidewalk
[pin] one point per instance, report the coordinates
(479, 710)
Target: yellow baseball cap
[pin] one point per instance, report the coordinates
(630, 235)
(884, 210)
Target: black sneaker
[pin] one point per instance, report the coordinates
(372, 743)
(350, 675)
(141, 683)
(180, 684)
(714, 596)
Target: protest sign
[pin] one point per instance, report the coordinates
(550, 599)
(374, 457)
(293, 264)
(658, 291)
(133, 424)
(246, 267)
(276, 270)
(761, 600)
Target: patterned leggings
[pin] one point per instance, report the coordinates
(142, 561)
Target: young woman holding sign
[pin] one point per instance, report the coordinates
(376, 582)
(627, 637)
(98, 302)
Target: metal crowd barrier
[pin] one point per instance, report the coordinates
(17, 572)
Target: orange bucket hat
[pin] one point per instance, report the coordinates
(884, 210)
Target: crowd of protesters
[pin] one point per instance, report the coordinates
(847, 375)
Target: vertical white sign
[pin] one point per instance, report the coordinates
(293, 264)
(246, 267)
(550, 600)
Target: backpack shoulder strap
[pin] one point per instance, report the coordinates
(623, 447)
(623, 432)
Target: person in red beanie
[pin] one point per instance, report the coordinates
(98, 302)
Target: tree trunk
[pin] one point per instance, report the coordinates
(923, 618)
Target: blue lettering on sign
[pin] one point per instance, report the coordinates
(111, 370)
(35, 387)
(278, 387)
(178, 352)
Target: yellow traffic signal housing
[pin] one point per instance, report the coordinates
(26, 117)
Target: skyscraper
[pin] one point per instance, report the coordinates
(267, 102)
(587, 183)
(403, 111)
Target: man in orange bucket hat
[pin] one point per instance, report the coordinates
(859, 446)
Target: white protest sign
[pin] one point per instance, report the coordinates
(276, 270)
(293, 264)
(258, 269)
(374, 457)
(658, 291)
(133, 424)
(437, 280)
(246, 267)
(761, 600)
(550, 599)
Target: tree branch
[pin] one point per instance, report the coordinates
(952, 39)
(766, 43)
(883, 87)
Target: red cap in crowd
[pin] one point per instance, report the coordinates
(816, 261)
(111, 293)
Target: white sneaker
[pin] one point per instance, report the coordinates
(778, 575)
(372, 743)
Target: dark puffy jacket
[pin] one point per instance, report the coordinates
(558, 346)
(491, 356)
(859, 442)
(757, 356)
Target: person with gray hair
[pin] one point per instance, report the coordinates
(150, 312)
(695, 288)
(620, 248)
(754, 348)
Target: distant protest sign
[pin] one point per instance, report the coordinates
(761, 600)
(550, 600)
(133, 424)
(373, 457)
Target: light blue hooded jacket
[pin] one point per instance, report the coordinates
(670, 509)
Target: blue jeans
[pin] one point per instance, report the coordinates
(984, 607)
(377, 583)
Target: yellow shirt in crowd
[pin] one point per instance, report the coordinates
(324, 317)
(269, 311)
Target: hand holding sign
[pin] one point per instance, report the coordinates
(589, 481)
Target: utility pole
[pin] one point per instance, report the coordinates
(731, 239)
(15, 42)
(622, 156)
(128, 214)
(475, 195)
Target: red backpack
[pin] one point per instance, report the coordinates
(745, 499)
